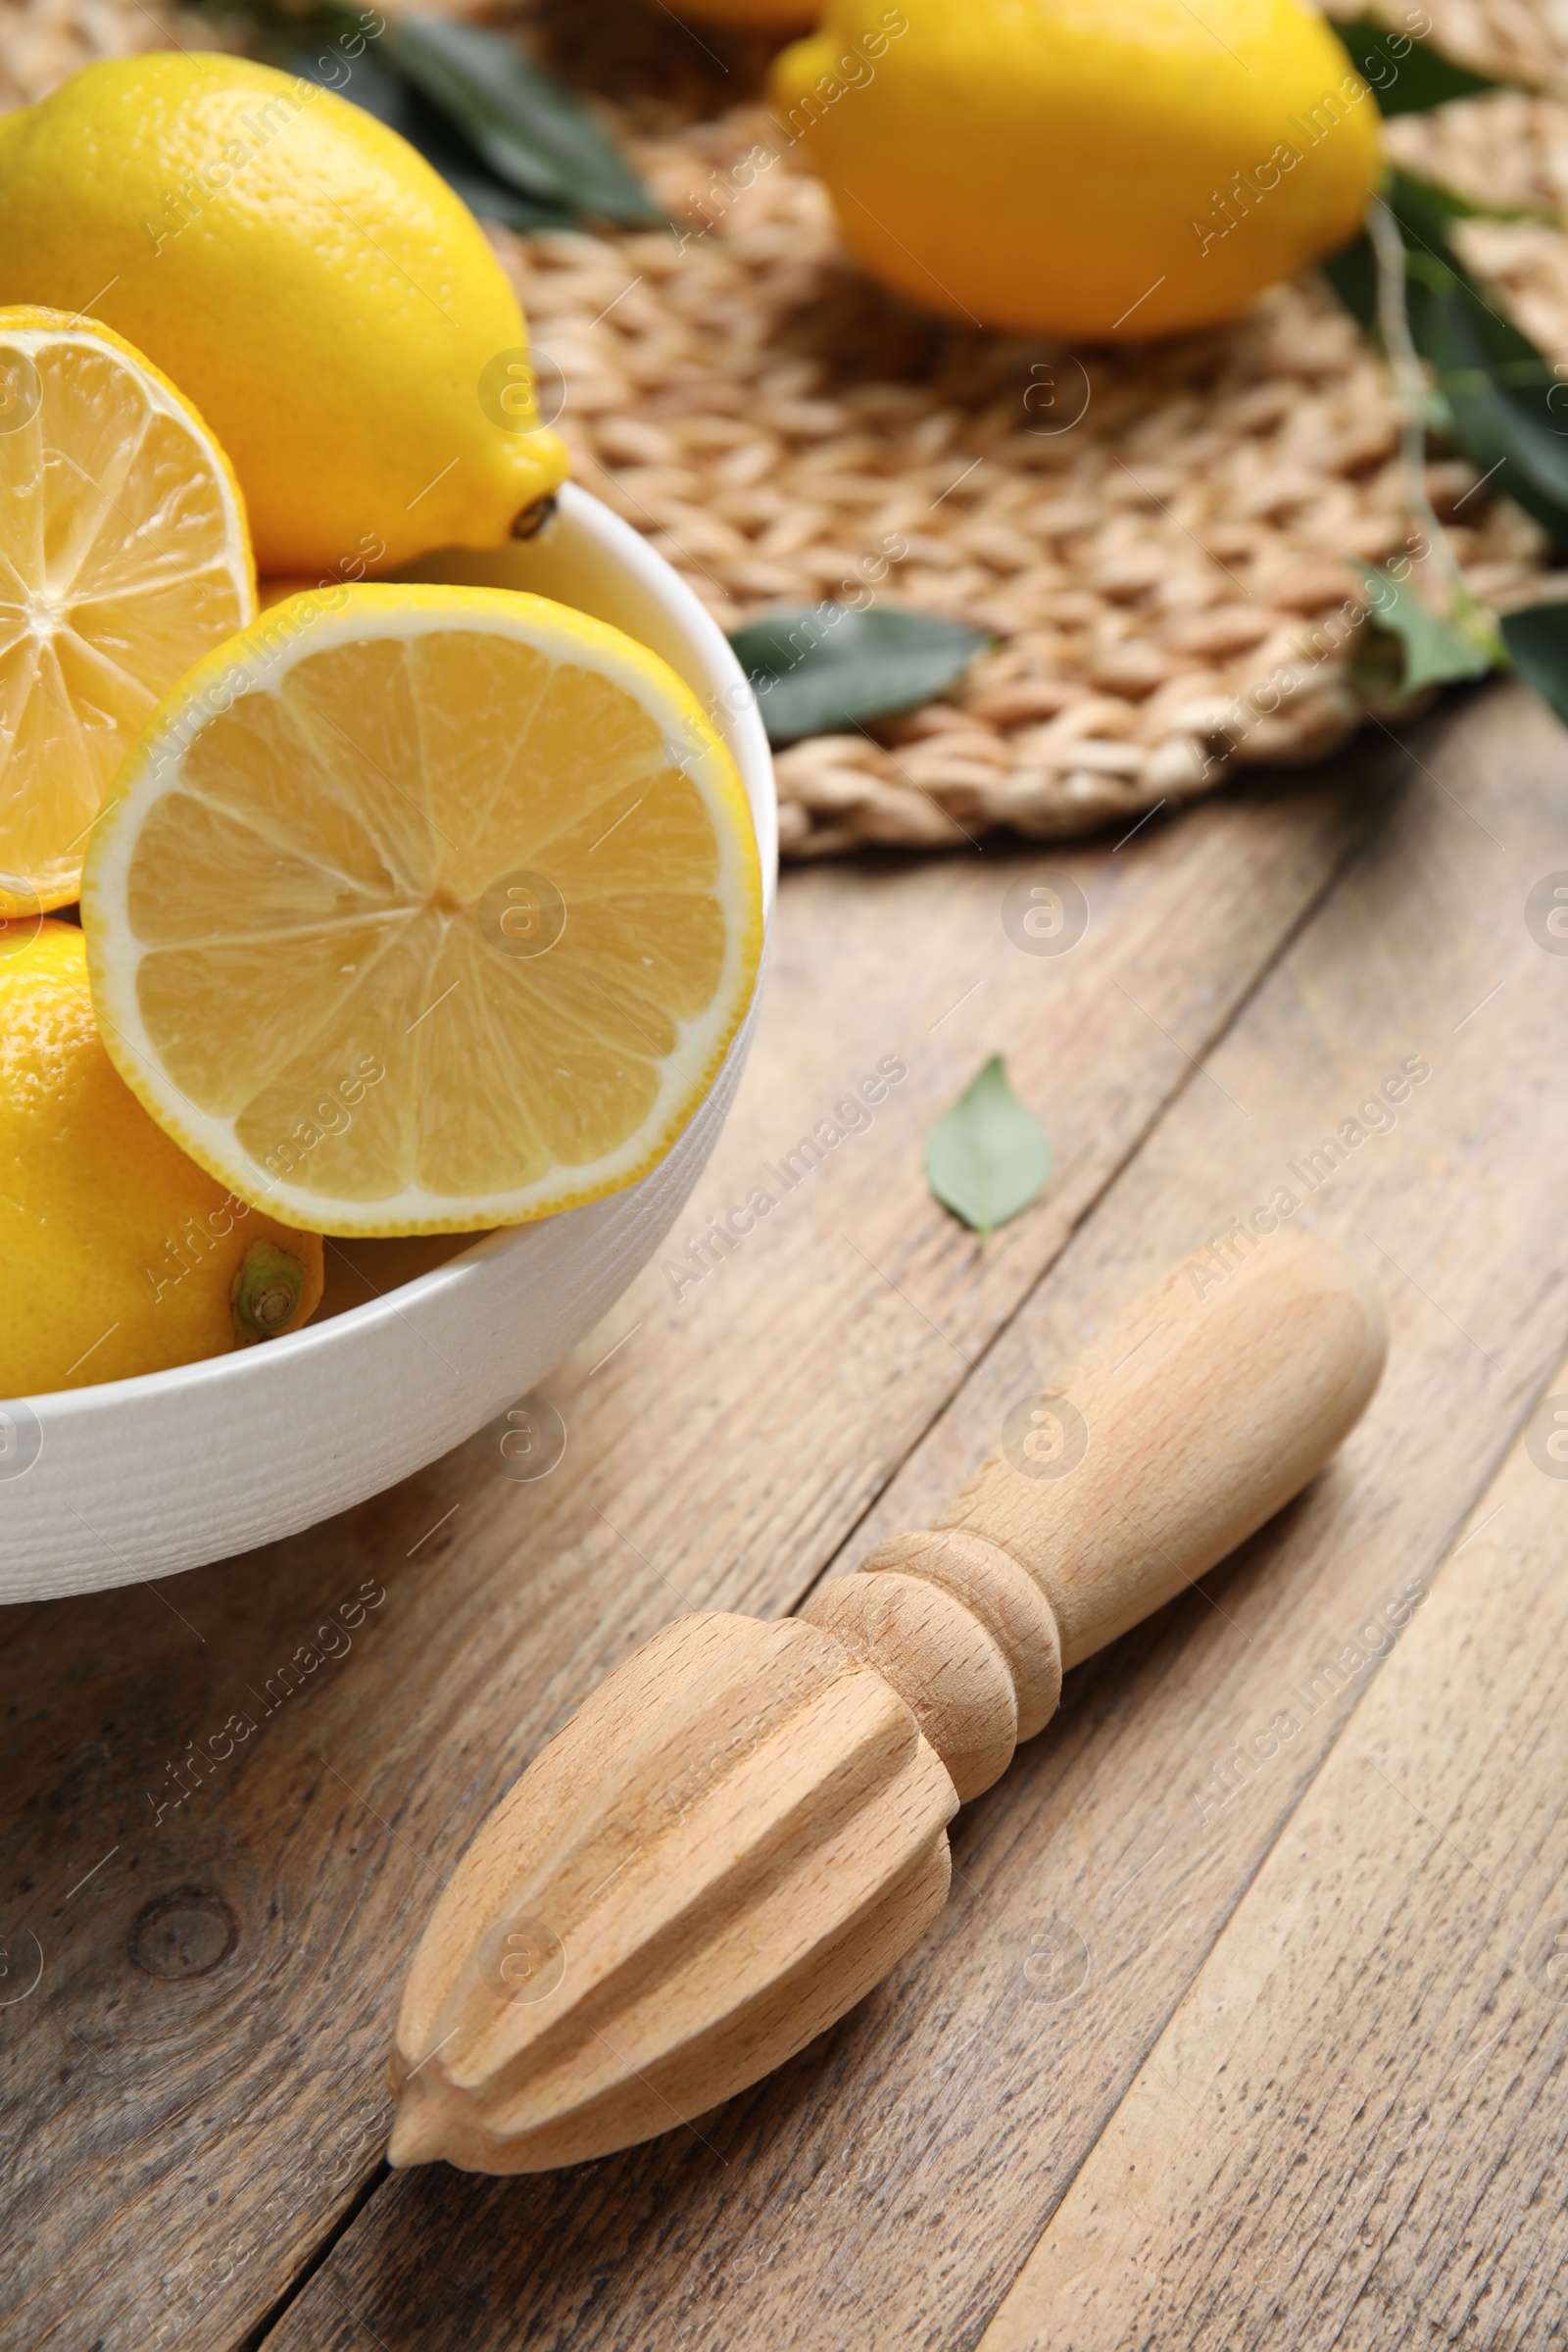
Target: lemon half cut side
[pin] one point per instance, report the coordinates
(425, 910)
(123, 558)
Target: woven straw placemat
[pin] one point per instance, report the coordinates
(1158, 539)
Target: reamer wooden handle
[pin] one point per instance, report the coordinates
(745, 1827)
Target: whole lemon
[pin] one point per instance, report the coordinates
(1083, 168)
(306, 279)
(118, 1254)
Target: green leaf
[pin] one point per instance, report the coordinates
(527, 128)
(1352, 272)
(1538, 643)
(987, 1157)
(818, 667)
(1440, 205)
(396, 103)
(1508, 409)
(1404, 76)
(1435, 650)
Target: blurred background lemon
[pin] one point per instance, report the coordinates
(1083, 168)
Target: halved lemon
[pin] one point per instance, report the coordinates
(424, 909)
(123, 558)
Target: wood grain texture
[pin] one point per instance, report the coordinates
(234, 1797)
(885, 2190)
(734, 1837)
(1351, 2130)
(930, 1645)
(1195, 1414)
(1201, 1407)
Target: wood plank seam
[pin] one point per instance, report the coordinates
(319, 2255)
(1147, 2057)
(1104, 2247)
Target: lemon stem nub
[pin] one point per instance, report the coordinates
(531, 521)
(264, 1294)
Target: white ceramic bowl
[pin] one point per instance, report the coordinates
(417, 1343)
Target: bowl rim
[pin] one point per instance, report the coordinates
(739, 721)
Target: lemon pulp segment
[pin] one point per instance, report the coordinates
(424, 909)
(123, 558)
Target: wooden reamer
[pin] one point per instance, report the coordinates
(745, 1827)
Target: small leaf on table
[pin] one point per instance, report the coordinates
(1435, 650)
(1537, 644)
(527, 126)
(987, 1157)
(818, 668)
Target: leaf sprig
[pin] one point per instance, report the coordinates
(508, 138)
(1501, 397)
(1465, 373)
(526, 126)
(1436, 653)
(1405, 75)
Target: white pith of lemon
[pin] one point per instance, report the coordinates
(123, 558)
(424, 909)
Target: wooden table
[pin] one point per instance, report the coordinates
(1246, 2023)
